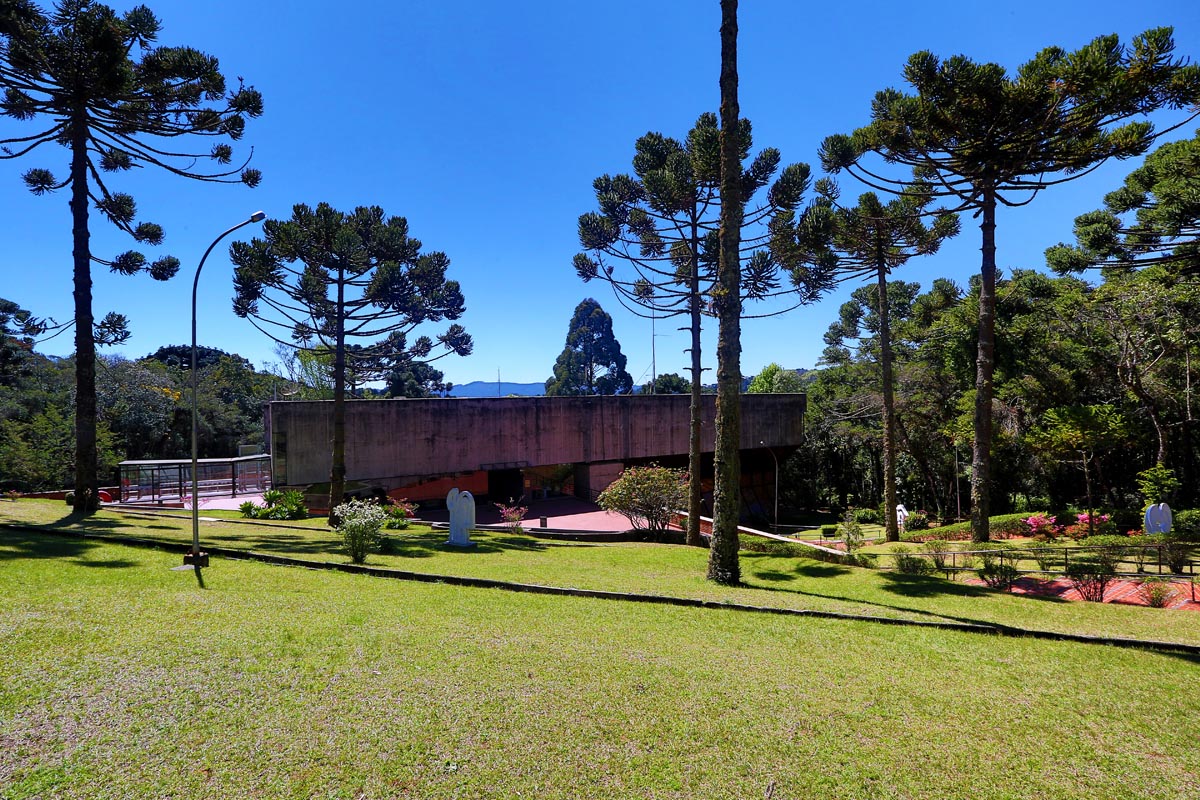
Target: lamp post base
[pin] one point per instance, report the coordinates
(195, 559)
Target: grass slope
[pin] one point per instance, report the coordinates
(771, 580)
(119, 678)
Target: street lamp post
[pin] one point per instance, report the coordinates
(772, 452)
(196, 558)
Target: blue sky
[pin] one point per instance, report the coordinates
(485, 122)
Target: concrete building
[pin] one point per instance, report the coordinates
(522, 446)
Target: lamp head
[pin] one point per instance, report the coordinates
(258, 216)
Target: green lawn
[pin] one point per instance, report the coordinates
(660, 569)
(120, 678)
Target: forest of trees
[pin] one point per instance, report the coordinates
(1118, 346)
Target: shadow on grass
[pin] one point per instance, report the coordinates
(424, 545)
(15, 545)
(110, 563)
(923, 586)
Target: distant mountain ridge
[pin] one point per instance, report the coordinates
(508, 389)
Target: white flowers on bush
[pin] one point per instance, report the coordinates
(359, 522)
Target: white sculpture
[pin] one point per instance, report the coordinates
(1158, 518)
(901, 516)
(462, 517)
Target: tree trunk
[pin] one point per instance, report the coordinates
(694, 484)
(981, 457)
(723, 566)
(337, 474)
(889, 412)
(86, 482)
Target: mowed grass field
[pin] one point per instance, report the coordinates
(120, 678)
(770, 580)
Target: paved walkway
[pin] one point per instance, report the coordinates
(563, 513)
(1123, 592)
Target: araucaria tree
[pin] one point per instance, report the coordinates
(1154, 218)
(324, 276)
(655, 239)
(95, 83)
(723, 565)
(982, 138)
(871, 239)
(591, 362)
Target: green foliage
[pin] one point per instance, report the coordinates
(1003, 526)
(1058, 116)
(1185, 525)
(1152, 219)
(646, 496)
(868, 516)
(1157, 592)
(277, 504)
(938, 551)
(359, 523)
(97, 84)
(1157, 484)
(670, 383)
(997, 565)
(850, 531)
(591, 362)
(1091, 574)
(774, 379)
(383, 288)
(399, 514)
(908, 563)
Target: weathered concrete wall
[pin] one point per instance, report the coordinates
(388, 441)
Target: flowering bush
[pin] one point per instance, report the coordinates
(359, 522)
(399, 514)
(1043, 526)
(512, 516)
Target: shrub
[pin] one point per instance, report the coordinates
(512, 516)
(850, 531)
(1003, 526)
(938, 550)
(1042, 526)
(1157, 484)
(1157, 592)
(868, 516)
(1047, 558)
(277, 504)
(1186, 525)
(1175, 551)
(1090, 574)
(996, 566)
(908, 563)
(828, 531)
(647, 496)
(358, 523)
(1141, 548)
(399, 514)
(917, 521)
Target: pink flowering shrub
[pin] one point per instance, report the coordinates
(1042, 526)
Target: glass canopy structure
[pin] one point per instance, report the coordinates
(170, 480)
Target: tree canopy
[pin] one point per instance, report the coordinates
(1154, 218)
(96, 83)
(592, 361)
(324, 276)
(980, 137)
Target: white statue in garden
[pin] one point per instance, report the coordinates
(1158, 518)
(901, 516)
(462, 517)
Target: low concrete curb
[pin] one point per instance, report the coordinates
(532, 588)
